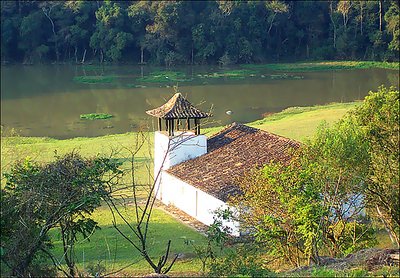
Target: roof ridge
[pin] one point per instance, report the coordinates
(177, 107)
(257, 129)
(233, 125)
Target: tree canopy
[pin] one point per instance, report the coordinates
(197, 32)
(323, 199)
(38, 197)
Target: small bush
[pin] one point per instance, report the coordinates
(323, 272)
(240, 263)
(358, 273)
(96, 269)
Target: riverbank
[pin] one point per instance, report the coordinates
(305, 65)
(324, 66)
(298, 123)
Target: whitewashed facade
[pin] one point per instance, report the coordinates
(171, 190)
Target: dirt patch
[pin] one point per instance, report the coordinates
(383, 257)
(370, 259)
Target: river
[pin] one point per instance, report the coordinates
(46, 100)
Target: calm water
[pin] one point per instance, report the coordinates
(46, 101)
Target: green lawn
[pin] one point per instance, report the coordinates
(300, 123)
(110, 249)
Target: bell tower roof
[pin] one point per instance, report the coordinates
(178, 113)
(177, 108)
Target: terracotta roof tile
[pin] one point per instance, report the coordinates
(177, 108)
(231, 152)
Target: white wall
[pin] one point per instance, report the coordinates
(193, 201)
(169, 151)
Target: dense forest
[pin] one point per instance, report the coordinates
(198, 32)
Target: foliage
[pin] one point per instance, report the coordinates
(62, 193)
(379, 117)
(393, 26)
(219, 233)
(241, 259)
(169, 33)
(322, 272)
(313, 203)
(95, 79)
(241, 262)
(96, 116)
(96, 269)
(205, 253)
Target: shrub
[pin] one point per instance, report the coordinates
(241, 261)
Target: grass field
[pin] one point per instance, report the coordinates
(300, 123)
(112, 251)
(106, 246)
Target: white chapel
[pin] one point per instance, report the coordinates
(197, 174)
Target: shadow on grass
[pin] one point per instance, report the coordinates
(109, 247)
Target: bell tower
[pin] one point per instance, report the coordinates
(178, 137)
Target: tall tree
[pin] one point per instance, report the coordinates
(393, 26)
(110, 37)
(379, 116)
(32, 37)
(81, 27)
(344, 8)
(47, 8)
(140, 17)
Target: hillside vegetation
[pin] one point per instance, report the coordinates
(198, 32)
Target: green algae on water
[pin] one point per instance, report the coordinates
(96, 116)
(94, 79)
(164, 76)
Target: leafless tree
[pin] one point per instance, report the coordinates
(143, 198)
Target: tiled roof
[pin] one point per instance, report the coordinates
(231, 152)
(177, 108)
